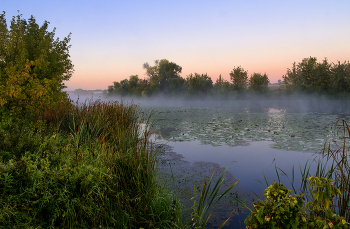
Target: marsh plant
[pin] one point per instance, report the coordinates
(282, 210)
(334, 165)
(326, 193)
(82, 166)
(208, 198)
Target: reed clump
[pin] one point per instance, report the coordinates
(323, 200)
(334, 164)
(88, 165)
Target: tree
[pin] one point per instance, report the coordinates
(33, 66)
(340, 78)
(259, 82)
(164, 75)
(239, 78)
(320, 78)
(221, 86)
(199, 84)
(290, 79)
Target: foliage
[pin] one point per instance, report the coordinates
(259, 82)
(199, 84)
(319, 78)
(221, 87)
(164, 76)
(337, 158)
(33, 66)
(281, 210)
(208, 198)
(91, 166)
(308, 76)
(239, 78)
(322, 192)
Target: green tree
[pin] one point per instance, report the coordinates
(239, 78)
(164, 76)
(290, 79)
(340, 78)
(33, 66)
(259, 82)
(221, 87)
(199, 84)
(312, 77)
(124, 87)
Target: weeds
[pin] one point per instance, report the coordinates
(207, 199)
(327, 192)
(82, 166)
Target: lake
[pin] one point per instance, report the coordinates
(253, 137)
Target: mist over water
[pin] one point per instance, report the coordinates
(256, 132)
(254, 102)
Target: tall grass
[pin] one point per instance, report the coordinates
(334, 164)
(90, 166)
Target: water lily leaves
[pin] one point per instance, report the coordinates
(288, 131)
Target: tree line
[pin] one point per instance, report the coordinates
(164, 77)
(308, 76)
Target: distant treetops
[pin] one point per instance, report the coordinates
(164, 77)
(308, 76)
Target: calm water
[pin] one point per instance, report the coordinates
(253, 139)
(252, 136)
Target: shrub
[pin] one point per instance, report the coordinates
(97, 168)
(281, 210)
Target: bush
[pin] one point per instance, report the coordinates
(33, 66)
(93, 166)
(281, 210)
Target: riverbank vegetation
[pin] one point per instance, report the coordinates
(92, 164)
(65, 165)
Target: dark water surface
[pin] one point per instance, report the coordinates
(252, 139)
(253, 136)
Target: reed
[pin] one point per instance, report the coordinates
(334, 164)
(326, 191)
(91, 166)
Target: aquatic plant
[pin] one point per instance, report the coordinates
(281, 210)
(207, 199)
(327, 192)
(233, 127)
(334, 164)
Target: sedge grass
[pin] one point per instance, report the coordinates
(332, 164)
(90, 167)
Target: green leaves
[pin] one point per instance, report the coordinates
(281, 210)
(239, 78)
(259, 83)
(33, 66)
(323, 193)
(199, 84)
(208, 198)
(319, 78)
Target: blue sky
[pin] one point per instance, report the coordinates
(112, 39)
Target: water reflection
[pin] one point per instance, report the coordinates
(253, 165)
(251, 162)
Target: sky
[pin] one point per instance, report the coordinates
(112, 39)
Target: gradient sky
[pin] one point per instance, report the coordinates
(112, 39)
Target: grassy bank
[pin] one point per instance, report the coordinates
(91, 165)
(86, 166)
